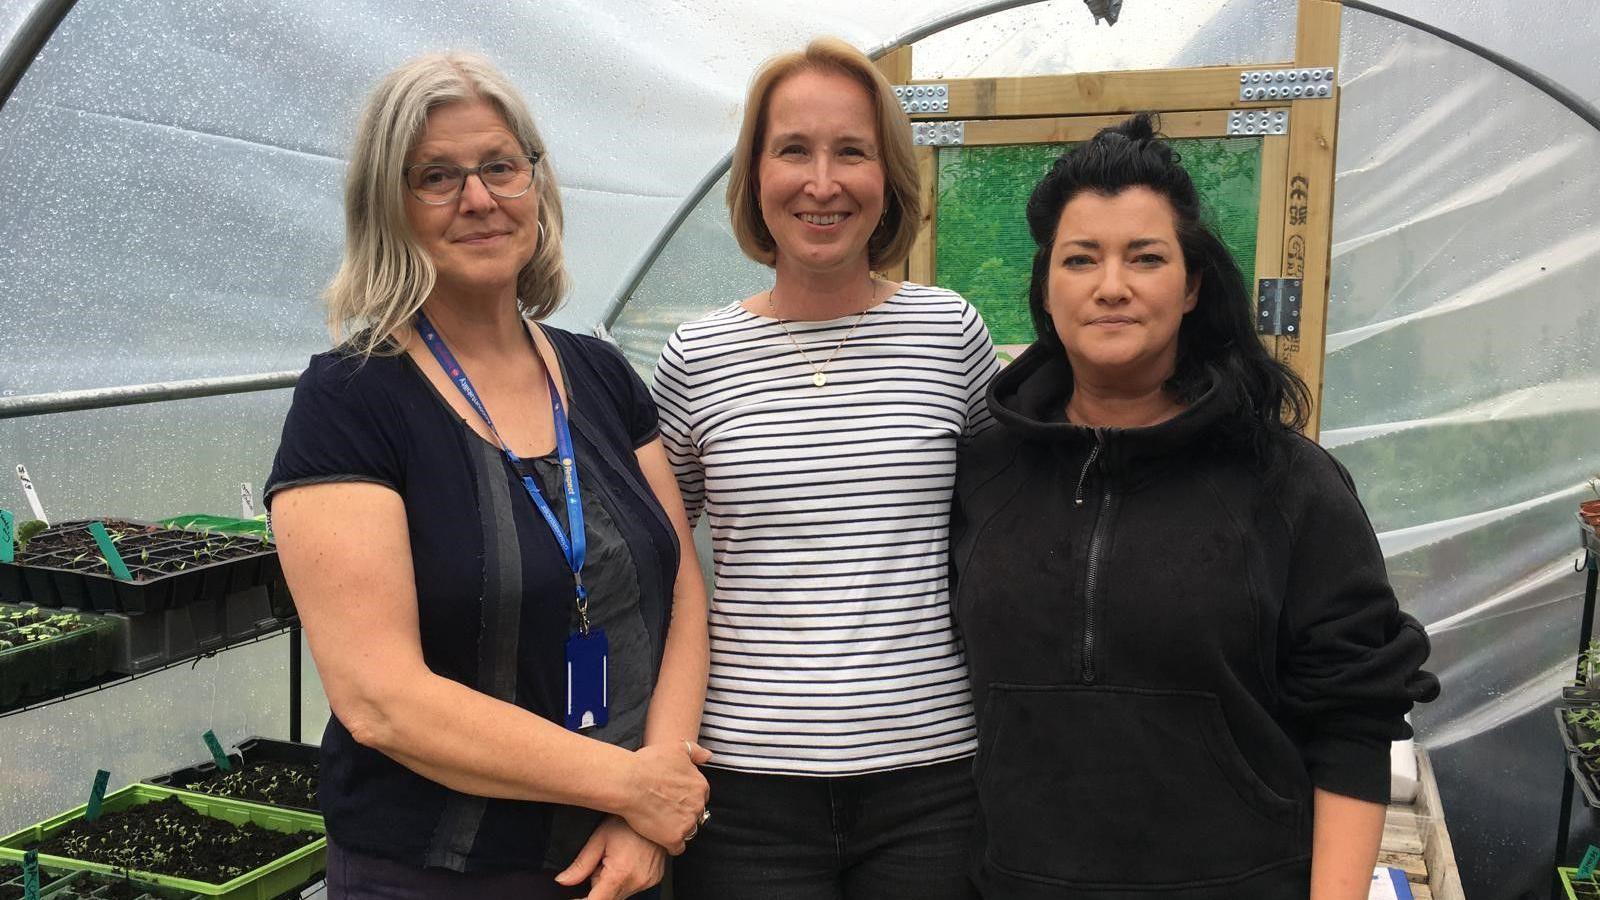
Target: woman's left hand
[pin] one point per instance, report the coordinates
(621, 862)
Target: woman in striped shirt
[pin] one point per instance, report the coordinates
(815, 424)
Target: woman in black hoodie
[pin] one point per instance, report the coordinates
(1187, 659)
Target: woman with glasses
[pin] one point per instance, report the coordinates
(482, 532)
(815, 423)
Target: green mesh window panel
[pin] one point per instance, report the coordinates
(984, 252)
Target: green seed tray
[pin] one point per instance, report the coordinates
(269, 881)
(46, 890)
(93, 885)
(1576, 889)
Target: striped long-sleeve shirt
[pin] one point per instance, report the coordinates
(832, 649)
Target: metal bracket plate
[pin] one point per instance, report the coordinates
(1286, 84)
(938, 134)
(923, 98)
(1278, 306)
(1258, 121)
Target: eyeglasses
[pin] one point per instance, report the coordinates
(436, 184)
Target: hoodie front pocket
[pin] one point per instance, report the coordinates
(1125, 787)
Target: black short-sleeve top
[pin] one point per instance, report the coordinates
(495, 595)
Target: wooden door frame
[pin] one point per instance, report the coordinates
(1295, 219)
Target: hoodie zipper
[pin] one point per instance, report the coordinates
(1091, 576)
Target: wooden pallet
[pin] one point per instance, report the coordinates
(1416, 841)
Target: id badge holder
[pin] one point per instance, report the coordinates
(587, 680)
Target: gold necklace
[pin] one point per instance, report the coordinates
(818, 376)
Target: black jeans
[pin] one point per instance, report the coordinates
(884, 836)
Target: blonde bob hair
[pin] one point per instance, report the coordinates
(385, 276)
(890, 243)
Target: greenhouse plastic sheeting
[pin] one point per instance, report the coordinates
(1463, 368)
(700, 269)
(171, 210)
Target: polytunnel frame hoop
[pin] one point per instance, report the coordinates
(1580, 107)
(41, 24)
(31, 37)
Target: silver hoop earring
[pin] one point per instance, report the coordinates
(541, 232)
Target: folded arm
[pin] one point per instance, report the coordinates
(346, 555)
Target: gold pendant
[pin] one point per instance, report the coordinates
(819, 379)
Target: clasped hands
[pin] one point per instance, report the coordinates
(669, 802)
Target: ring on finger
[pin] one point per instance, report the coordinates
(692, 832)
(705, 816)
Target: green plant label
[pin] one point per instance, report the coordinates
(8, 536)
(217, 756)
(30, 875)
(96, 795)
(1591, 858)
(109, 551)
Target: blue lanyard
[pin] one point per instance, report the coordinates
(577, 547)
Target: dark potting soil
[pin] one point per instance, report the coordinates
(168, 838)
(273, 783)
(73, 537)
(12, 892)
(122, 890)
(13, 870)
(150, 551)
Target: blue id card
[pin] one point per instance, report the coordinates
(587, 687)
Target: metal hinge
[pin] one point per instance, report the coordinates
(1278, 306)
(923, 98)
(1258, 121)
(938, 134)
(1286, 84)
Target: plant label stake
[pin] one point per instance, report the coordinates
(8, 536)
(247, 503)
(96, 794)
(31, 494)
(1591, 857)
(30, 875)
(217, 756)
(109, 551)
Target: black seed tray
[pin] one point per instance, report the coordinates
(255, 749)
(59, 664)
(78, 578)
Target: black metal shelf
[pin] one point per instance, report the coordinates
(1589, 541)
(291, 626)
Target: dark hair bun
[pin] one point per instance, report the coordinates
(1138, 127)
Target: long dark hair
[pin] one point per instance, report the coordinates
(1219, 332)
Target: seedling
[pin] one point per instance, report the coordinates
(167, 837)
(26, 531)
(1589, 665)
(1584, 717)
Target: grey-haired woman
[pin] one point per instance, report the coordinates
(481, 532)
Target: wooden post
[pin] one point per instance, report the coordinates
(895, 64)
(920, 268)
(1308, 200)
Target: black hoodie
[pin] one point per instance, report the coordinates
(1171, 642)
